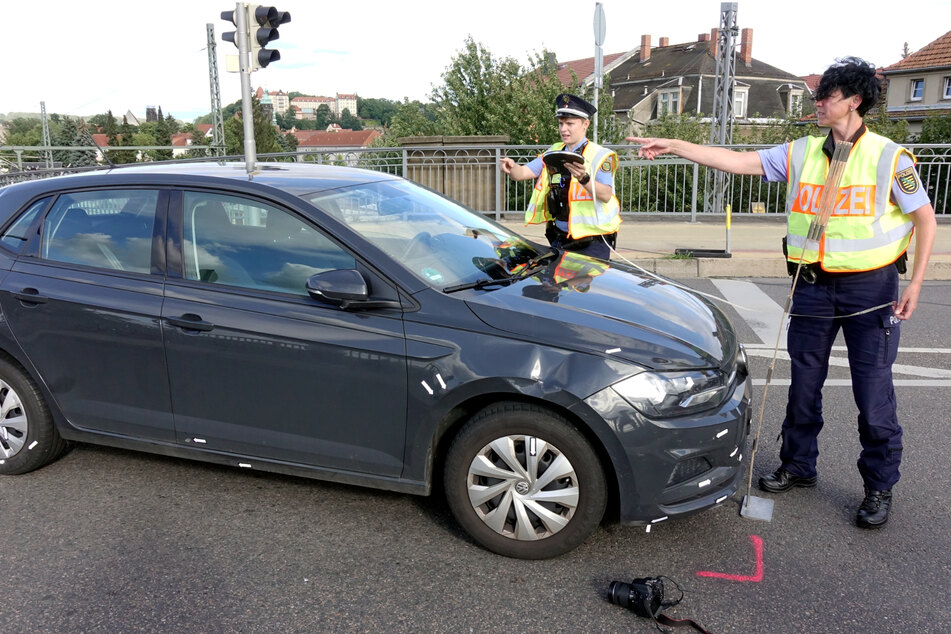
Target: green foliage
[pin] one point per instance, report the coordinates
(349, 122)
(687, 127)
(381, 110)
(877, 121)
(411, 119)
(935, 129)
(126, 138)
(265, 134)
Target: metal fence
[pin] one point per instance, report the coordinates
(470, 174)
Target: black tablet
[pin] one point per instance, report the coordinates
(557, 159)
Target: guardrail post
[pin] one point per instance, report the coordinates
(498, 185)
(693, 194)
(405, 162)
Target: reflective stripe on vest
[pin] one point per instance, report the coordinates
(587, 216)
(866, 230)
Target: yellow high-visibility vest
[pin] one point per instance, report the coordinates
(866, 230)
(587, 216)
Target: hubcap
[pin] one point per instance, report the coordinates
(13, 423)
(523, 487)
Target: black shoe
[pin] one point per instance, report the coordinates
(874, 510)
(782, 480)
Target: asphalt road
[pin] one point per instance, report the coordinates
(106, 540)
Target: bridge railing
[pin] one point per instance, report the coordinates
(470, 174)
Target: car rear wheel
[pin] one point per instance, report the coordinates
(524, 482)
(28, 438)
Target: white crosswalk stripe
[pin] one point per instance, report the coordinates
(763, 316)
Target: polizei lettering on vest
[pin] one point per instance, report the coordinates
(857, 200)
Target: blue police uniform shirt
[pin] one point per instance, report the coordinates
(605, 178)
(774, 164)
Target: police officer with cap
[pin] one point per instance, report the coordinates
(574, 189)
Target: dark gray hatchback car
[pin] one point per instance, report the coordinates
(351, 326)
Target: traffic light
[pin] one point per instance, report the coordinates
(262, 26)
(230, 36)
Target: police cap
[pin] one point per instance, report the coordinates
(573, 106)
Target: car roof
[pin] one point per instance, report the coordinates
(298, 179)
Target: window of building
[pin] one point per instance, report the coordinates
(794, 108)
(668, 102)
(947, 88)
(917, 90)
(740, 100)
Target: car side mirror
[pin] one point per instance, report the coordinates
(345, 288)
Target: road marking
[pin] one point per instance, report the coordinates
(757, 309)
(755, 577)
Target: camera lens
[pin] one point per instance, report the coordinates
(620, 594)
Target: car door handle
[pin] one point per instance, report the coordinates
(31, 296)
(190, 321)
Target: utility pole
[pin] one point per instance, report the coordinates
(48, 154)
(721, 130)
(217, 125)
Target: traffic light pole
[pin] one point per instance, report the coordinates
(247, 110)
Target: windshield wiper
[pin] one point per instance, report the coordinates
(485, 281)
(531, 267)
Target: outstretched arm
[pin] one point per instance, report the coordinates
(711, 156)
(515, 171)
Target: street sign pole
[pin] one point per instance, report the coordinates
(599, 29)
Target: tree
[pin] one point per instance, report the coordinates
(324, 117)
(163, 136)
(379, 110)
(412, 118)
(348, 121)
(126, 134)
(935, 129)
(265, 134)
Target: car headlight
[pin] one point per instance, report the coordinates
(668, 394)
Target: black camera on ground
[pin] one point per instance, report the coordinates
(644, 597)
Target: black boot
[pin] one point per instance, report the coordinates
(874, 510)
(782, 480)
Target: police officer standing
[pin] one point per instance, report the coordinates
(576, 200)
(880, 203)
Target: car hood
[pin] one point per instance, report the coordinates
(613, 310)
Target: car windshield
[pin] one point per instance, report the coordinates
(441, 242)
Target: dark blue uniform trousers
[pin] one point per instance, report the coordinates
(872, 342)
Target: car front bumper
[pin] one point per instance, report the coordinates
(676, 466)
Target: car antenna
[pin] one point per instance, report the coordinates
(104, 155)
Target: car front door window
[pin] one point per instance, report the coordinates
(240, 242)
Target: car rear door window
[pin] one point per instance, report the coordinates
(246, 243)
(110, 229)
(15, 238)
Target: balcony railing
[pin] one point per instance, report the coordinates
(470, 174)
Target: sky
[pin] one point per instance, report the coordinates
(88, 57)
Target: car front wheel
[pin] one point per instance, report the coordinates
(524, 482)
(28, 439)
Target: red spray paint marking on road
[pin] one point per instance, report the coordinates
(756, 576)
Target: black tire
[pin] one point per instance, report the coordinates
(520, 513)
(28, 438)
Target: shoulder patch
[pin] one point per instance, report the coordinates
(907, 180)
(608, 164)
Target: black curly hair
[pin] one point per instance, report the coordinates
(853, 76)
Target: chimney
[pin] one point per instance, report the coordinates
(746, 46)
(714, 41)
(703, 37)
(645, 47)
(664, 41)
